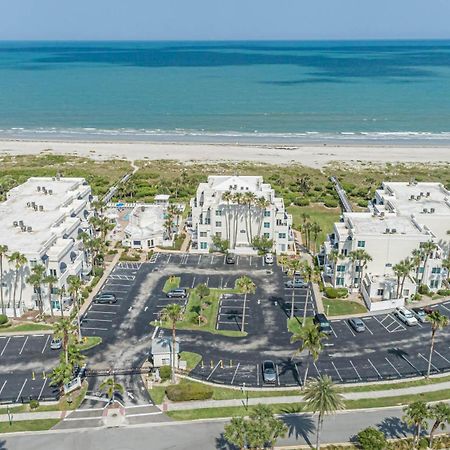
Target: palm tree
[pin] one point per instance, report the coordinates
(360, 258)
(306, 228)
(416, 415)
(428, 248)
(50, 281)
(238, 199)
(322, 397)
(202, 291)
(18, 260)
(227, 196)
(311, 338)
(333, 257)
(36, 279)
(62, 374)
(440, 413)
(3, 252)
(63, 329)
(168, 225)
(262, 203)
(249, 199)
(416, 260)
(236, 432)
(402, 270)
(110, 387)
(74, 290)
(173, 313)
(294, 266)
(445, 265)
(307, 272)
(315, 231)
(438, 321)
(173, 211)
(245, 286)
(62, 291)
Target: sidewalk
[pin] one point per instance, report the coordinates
(17, 417)
(298, 398)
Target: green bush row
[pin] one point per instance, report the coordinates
(187, 391)
(332, 292)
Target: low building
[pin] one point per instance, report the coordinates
(238, 209)
(42, 219)
(147, 229)
(161, 351)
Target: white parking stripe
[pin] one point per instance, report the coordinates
(23, 346)
(257, 374)
(21, 390)
(354, 368)
(92, 311)
(374, 368)
(193, 283)
(447, 309)
(432, 365)
(443, 357)
(45, 345)
(4, 348)
(392, 365)
(411, 364)
(332, 329)
(99, 329)
(278, 375)
(348, 326)
(212, 371)
(3, 386)
(42, 388)
(337, 371)
(368, 329)
(86, 319)
(235, 372)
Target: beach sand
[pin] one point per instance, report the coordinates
(308, 155)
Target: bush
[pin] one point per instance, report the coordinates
(187, 391)
(372, 439)
(424, 289)
(301, 201)
(331, 203)
(443, 292)
(332, 292)
(3, 319)
(165, 372)
(362, 203)
(34, 404)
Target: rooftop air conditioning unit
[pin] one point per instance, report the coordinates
(418, 197)
(50, 191)
(428, 194)
(425, 210)
(35, 207)
(387, 231)
(432, 210)
(33, 204)
(411, 197)
(41, 207)
(38, 189)
(29, 229)
(15, 223)
(23, 228)
(53, 178)
(393, 230)
(421, 194)
(20, 223)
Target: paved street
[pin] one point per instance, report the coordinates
(205, 435)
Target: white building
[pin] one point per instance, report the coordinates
(236, 220)
(42, 219)
(146, 228)
(388, 238)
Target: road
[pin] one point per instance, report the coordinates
(205, 435)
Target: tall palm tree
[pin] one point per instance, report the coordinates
(402, 270)
(36, 279)
(311, 338)
(416, 415)
(307, 272)
(173, 313)
(416, 259)
(227, 196)
(360, 258)
(323, 398)
(440, 413)
(238, 200)
(3, 252)
(249, 200)
(18, 260)
(168, 225)
(438, 321)
(315, 231)
(446, 265)
(306, 228)
(50, 281)
(63, 329)
(333, 257)
(262, 203)
(428, 248)
(62, 291)
(110, 387)
(294, 266)
(74, 290)
(246, 286)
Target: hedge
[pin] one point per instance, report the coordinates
(332, 292)
(165, 372)
(3, 319)
(187, 391)
(444, 292)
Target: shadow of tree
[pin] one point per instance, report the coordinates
(223, 444)
(394, 427)
(300, 426)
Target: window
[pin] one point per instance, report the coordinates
(282, 235)
(344, 252)
(203, 245)
(266, 224)
(242, 231)
(380, 292)
(207, 221)
(388, 265)
(434, 284)
(358, 268)
(340, 268)
(279, 222)
(136, 242)
(203, 234)
(218, 224)
(361, 244)
(219, 234)
(436, 270)
(356, 281)
(266, 213)
(218, 212)
(340, 281)
(52, 272)
(267, 235)
(421, 269)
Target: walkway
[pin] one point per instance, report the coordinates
(342, 195)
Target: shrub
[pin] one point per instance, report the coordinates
(331, 203)
(187, 391)
(443, 292)
(3, 319)
(332, 292)
(424, 289)
(301, 201)
(165, 372)
(372, 439)
(34, 404)
(362, 203)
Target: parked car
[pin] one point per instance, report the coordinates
(177, 293)
(420, 314)
(56, 344)
(323, 323)
(406, 316)
(357, 324)
(105, 297)
(296, 283)
(268, 258)
(269, 372)
(230, 259)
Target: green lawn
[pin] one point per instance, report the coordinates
(192, 359)
(335, 307)
(171, 284)
(295, 324)
(157, 394)
(26, 327)
(90, 342)
(28, 425)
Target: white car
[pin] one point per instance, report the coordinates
(268, 259)
(406, 316)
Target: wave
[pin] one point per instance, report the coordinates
(192, 135)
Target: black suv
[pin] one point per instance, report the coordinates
(323, 323)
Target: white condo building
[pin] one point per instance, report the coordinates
(254, 211)
(42, 219)
(402, 218)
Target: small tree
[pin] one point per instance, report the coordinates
(3, 252)
(173, 313)
(440, 413)
(372, 439)
(236, 432)
(202, 291)
(221, 245)
(246, 286)
(416, 415)
(110, 387)
(262, 244)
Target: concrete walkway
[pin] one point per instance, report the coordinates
(33, 416)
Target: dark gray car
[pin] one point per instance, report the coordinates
(106, 297)
(177, 293)
(269, 372)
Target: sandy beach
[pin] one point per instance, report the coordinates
(308, 155)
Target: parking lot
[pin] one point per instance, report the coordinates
(231, 312)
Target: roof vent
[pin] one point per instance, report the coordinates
(21, 223)
(50, 191)
(38, 189)
(425, 210)
(29, 229)
(428, 194)
(411, 197)
(387, 231)
(15, 223)
(432, 210)
(393, 230)
(41, 207)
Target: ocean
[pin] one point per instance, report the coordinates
(390, 91)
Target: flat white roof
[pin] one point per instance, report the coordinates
(42, 223)
(146, 220)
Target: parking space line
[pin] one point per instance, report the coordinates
(374, 368)
(411, 364)
(96, 320)
(212, 371)
(193, 283)
(298, 373)
(98, 329)
(3, 386)
(4, 348)
(212, 259)
(257, 374)
(101, 312)
(354, 368)
(207, 281)
(199, 259)
(392, 365)
(443, 357)
(423, 357)
(447, 309)
(368, 329)
(315, 367)
(237, 260)
(348, 326)
(337, 371)
(23, 346)
(45, 345)
(21, 390)
(42, 388)
(332, 329)
(235, 372)
(168, 259)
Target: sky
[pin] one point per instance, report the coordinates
(223, 19)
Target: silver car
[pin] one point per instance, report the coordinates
(357, 324)
(56, 344)
(269, 372)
